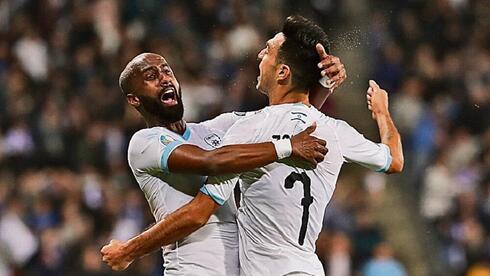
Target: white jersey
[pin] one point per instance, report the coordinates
(213, 249)
(282, 206)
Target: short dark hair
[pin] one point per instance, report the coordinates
(298, 51)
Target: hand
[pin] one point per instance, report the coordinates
(308, 148)
(114, 255)
(331, 67)
(377, 100)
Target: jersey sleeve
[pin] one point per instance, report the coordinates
(151, 148)
(224, 121)
(221, 187)
(356, 148)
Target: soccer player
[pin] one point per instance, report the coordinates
(160, 154)
(282, 206)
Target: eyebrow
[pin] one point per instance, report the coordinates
(148, 67)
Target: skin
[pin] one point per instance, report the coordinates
(119, 255)
(377, 101)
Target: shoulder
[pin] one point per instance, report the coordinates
(249, 118)
(144, 137)
(225, 120)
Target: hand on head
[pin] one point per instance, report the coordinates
(331, 67)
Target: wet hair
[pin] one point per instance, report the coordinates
(298, 51)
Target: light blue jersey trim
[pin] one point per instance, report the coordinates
(388, 162)
(216, 198)
(187, 134)
(166, 153)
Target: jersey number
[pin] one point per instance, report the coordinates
(306, 201)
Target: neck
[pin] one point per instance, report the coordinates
(177, 127)
(283, 95)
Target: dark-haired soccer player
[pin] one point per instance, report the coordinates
(159, 154)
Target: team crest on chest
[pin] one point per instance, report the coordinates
(213, 140)
(165, 140)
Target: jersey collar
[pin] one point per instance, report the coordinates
(187, 133)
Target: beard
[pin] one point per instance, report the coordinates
(155, 108)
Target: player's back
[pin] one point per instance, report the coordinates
(282, 206)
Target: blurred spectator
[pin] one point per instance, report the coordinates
(383, 263)
(339, 263)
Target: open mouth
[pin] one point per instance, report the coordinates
(169, 96)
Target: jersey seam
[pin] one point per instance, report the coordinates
(334, 131)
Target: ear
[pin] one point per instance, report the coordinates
(133, 100)
(283, 72)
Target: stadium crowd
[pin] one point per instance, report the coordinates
(435, 57)
(65, 188)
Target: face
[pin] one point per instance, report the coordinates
(156, 90)
(268, 63)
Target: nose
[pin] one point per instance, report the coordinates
(165, 80)
(261, 54)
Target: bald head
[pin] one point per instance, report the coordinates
(150, 86)
(136, 65)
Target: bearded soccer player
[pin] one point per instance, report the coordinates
(169, 147)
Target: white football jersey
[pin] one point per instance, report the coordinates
(282, 205)
(213, 249)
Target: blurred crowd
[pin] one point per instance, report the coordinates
(435, 57)
(65, 188)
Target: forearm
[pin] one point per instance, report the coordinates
(224, 160)
(172, 228)
(318, 95)
(390, 137)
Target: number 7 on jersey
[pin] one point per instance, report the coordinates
(306, 201)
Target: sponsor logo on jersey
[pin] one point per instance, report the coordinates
(165, 140)
(213, 140)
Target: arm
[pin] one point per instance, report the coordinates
(243, 157)
(330, 67)
(179, 224)
(377, 100)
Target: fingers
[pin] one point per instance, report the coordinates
(322, 142)
(333, 69)
(311, 128)
(330, 65)
(321, 51)
(340, 76)
(370, 91)
(327, 62)
(319, 157)
(373, 84)
(323, 150)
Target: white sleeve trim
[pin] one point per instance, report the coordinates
(389, 159)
